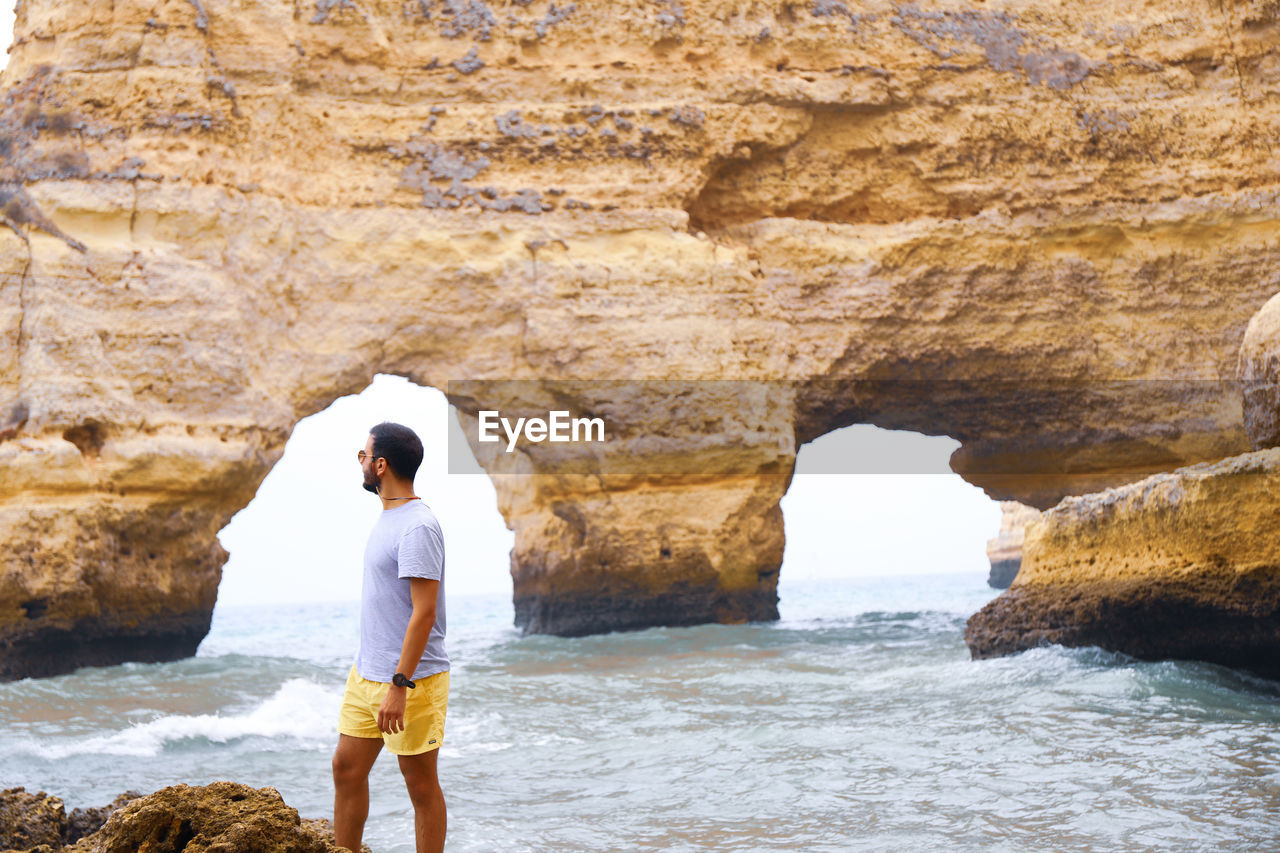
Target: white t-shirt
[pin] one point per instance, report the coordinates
(406, 542)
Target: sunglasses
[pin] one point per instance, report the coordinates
(363, 456)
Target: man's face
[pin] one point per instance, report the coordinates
(372, 482)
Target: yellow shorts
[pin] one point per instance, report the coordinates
(424, 711)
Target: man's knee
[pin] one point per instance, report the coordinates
(420, 778)
(346, 771)
(423, 791)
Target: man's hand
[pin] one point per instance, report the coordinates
(391, 711)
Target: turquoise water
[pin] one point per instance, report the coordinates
(856, 722)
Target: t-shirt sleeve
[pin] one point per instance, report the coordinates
(421, 552)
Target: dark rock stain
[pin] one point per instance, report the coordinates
(434, 165)
(688, 116)
(324, 7)
(552, 17)
(202, 17)
(831, 8)
(510, 124)
(670, 13)
(464, 17)
(1005, 47)
(470, 63)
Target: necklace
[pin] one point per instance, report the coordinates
(410, 498)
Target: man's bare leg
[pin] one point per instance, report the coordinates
(429, 815)
(352, 761)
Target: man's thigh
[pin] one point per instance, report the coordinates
(419, 769)
(355, 755)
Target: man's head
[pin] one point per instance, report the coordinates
(392, 451)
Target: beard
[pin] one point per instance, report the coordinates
(372, 482)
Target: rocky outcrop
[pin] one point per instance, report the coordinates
(222, 816)
(28, 820)
(1178, 565)
(40, 821)
(1011, 225)
(86, 821)
(1005, 549)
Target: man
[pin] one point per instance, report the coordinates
(398, 688)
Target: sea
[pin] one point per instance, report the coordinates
(855, 722)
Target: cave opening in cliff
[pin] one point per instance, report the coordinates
(302, 537)
(869, 502)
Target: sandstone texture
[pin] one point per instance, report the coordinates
(1039, 228)
(222, 817)
(1178, 565)
(28, 820)
(1004, 550)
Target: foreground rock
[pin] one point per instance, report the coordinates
(38, 821)
(224, 216)
(1178, 565)
(86, 821)
(224, 816)
(29, 820)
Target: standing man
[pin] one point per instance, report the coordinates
(398, 688)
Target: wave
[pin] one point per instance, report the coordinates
(300, 711)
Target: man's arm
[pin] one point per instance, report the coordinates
(423, 592)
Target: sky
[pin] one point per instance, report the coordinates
(302, 536)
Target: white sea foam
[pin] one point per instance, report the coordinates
(301, 712)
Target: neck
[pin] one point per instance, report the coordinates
(396, 494)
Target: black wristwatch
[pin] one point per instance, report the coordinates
(400, 680)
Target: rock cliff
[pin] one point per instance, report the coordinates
(1005, 549)
(1178, 565)
(1038, 228)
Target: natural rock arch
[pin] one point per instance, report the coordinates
(226, 216)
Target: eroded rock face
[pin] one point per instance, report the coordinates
(1178, 565)
(225, 216)
(634, 558)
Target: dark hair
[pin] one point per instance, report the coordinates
(400, 446)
